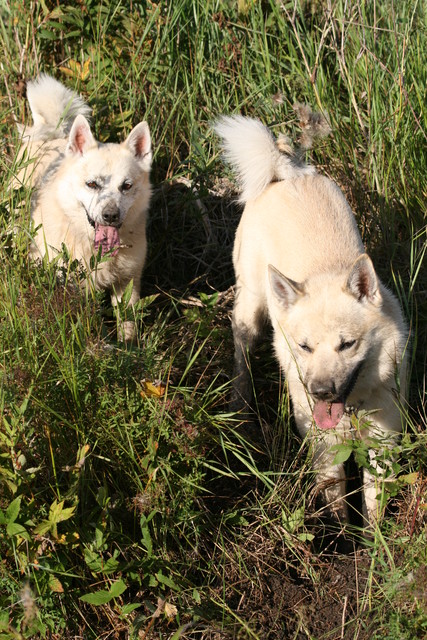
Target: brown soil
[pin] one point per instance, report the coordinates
(282, 607)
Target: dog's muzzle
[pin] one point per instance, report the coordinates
(111, 215)
(329, 406)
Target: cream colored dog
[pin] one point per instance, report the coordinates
(89, 196)
(339, 334)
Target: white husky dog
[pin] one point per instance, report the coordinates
(339, 334)
(87, 194)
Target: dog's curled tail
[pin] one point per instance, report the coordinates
(256, 156)
(53, 107)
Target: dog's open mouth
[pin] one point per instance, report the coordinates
(328, 414)
(107, 238)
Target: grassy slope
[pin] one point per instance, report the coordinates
(119, 495)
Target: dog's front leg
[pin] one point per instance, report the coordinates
(373, 503)
(247, 323)
(381, 435)
(126, 329)
(330, 480)
(372, 510)
(242, 383)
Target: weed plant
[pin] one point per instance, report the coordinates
(132, 503)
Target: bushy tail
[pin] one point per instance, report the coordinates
(256, 156)
(53, 107)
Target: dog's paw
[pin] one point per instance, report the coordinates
(126, 331)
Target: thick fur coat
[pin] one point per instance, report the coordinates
(339, 334)
(91, 197)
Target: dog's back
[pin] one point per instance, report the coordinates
(294, 218)
(302, 225)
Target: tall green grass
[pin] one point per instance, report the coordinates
(133, 509)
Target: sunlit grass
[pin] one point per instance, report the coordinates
(123, 476)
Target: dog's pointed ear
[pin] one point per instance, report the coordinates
(80, 138)
(285, 291)
(139, 142)
(362, 281)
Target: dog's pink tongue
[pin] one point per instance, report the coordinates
(107, 238)
(328, 414)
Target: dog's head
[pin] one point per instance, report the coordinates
(107, 181)
(329, 328)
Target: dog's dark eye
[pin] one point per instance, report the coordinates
(346, 344)
(92, 184)
(126, 185)
(305, 347)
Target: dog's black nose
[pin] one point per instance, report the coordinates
(111, 214)
(321, 390)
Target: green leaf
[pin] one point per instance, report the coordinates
(110, 565)
(99, 538)
(22, 409)
(304, 537)
(167, 581)
(97, 598)
(361, 457)
(15, 529)
(55, 584)
(235, 518)
(43, 527)
(103, 596)
(128, 608)
(12, 511)
(344, 451)
(410, 478)
(126, 296)
(47, 34)
(146, 537)
(4, 620)
(294, 520)
(117, 588)
(93, 560)
(152, 582)
(391, 488)
(57, 513)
